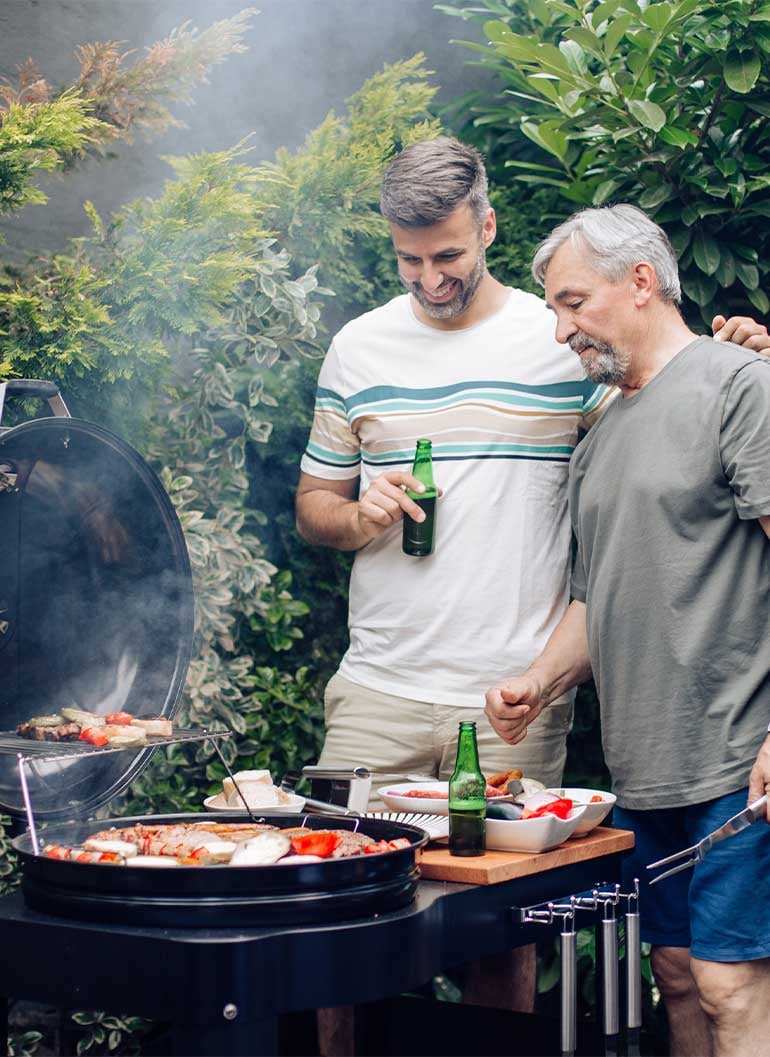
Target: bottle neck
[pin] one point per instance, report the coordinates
(467, 751)
(422, 468)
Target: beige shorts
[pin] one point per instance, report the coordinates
(395, 736)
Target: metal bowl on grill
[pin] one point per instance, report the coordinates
(223, 895)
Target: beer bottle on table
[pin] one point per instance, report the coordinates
(467, 797)
(418, 535)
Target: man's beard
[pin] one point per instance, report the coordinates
(457, 304)
(607, 366)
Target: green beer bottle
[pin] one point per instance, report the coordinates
(418, 535)
(467, 799)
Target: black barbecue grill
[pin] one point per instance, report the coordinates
(96, 612)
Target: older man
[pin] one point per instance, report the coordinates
(670, 502)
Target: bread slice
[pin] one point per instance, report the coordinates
(157, 727)
(242, 778)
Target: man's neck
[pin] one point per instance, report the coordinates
(490, 298)
(665, 336)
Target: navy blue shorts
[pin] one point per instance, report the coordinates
(720, 909)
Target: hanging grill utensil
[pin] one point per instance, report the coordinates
(697, 852)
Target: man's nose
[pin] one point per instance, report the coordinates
(431, 278)
(565, 328)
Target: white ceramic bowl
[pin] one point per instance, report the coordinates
(218, 803)
(395, 800)
(594, 814)
(531, 834)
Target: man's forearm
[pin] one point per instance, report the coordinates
(328, 520)
(565, 661)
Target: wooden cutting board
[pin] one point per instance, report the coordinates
(436, 864)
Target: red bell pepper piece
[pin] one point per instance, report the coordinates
(93, 737)
(121, 718)
(321, 843)
(561, 808)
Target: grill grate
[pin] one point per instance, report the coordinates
(60, 750)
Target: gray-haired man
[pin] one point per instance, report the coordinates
(670, 503)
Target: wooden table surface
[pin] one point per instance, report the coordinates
(436, 864)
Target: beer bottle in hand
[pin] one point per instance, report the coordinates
(467, 797)
(418, 535)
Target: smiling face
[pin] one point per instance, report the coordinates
(443, 265)
(599, 319)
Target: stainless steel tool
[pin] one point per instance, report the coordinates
(697, 852)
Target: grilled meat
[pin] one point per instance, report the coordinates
(61, 732)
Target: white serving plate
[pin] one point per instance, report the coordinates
(394, 799)
(594, 814)
(218, 803)
(436, 826)
(531, 834)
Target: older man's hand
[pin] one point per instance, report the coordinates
(742, 330)
(513, 705)
(759, 779)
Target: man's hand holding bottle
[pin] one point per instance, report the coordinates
(385, 502)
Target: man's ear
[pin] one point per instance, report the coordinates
(489, 228)
(644, 281)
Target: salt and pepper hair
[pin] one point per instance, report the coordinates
(427, 181)
(615, 238)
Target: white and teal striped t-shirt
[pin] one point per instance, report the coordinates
(502, 403)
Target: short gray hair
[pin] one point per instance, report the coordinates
(426, 182)
(616, 238)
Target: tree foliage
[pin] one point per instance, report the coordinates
(664, 104)
(42, 129)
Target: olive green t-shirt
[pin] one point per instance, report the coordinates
(674, 569)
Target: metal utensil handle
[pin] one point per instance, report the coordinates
(568, 949)
(330, 809)
(610, 976)
(339, 773)
(633, 972)
(741, 821)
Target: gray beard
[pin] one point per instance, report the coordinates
(458, 303)
(607, 366)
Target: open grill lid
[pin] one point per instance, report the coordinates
(96, 601)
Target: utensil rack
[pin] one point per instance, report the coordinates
(565, 913)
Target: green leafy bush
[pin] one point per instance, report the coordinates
(664, 104)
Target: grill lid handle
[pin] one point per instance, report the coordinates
(34, 387)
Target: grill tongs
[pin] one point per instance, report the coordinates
(690, 856)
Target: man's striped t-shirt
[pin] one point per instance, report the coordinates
(503, 405)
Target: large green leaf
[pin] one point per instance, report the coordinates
(748, 274)
(658, 16)
(725, 273)
(700, 289)
(547, 135)
(705, 251)
(678, 137)
(647, 113)
(655, 196)
(575, 56)
(615, 33)
(759, 300)
(741, 70)
(604, 11)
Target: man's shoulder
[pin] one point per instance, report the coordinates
(724, 355)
